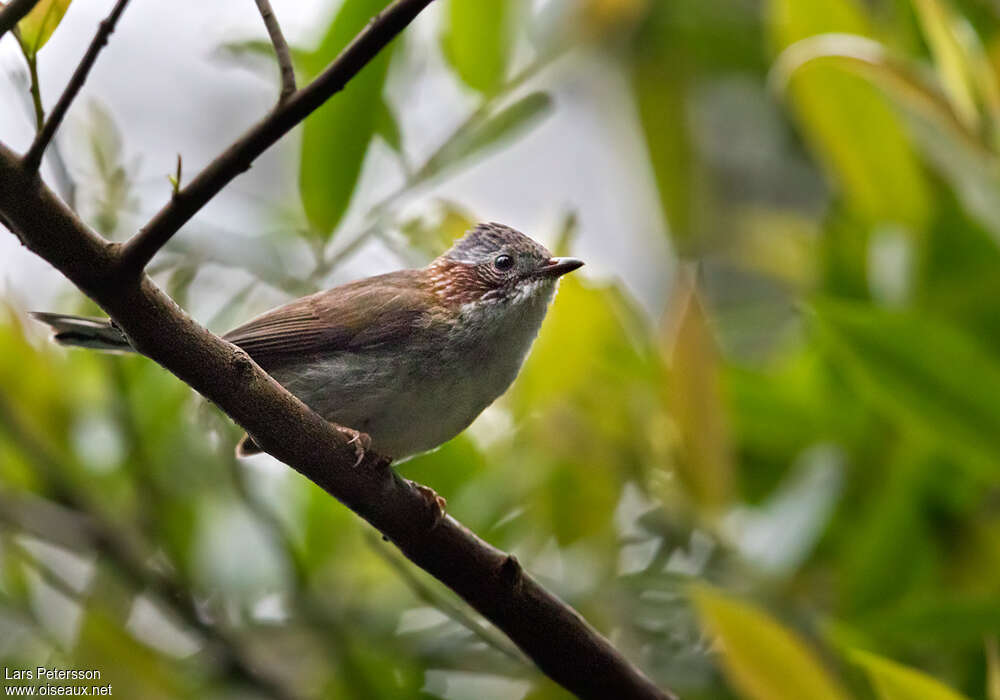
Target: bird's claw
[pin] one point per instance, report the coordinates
(435, 503)
(362, 442)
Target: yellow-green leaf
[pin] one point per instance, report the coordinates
(37, 26)
(992, 668)
(847, 122)
(893, 681)
(477, 42)
(696, 402)
(900, 79)
(952, 62)
(761, 658)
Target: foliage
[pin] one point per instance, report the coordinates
(810, 428)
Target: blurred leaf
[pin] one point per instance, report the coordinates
(762, 659)
(335, 137)
(476, 41)
(847, 122)
(38, 25)
(955, 619)
(697, 404)
(900, 78)
(487, 135)
(432, 235)
(247, 50)
(992, 668)
(939, 26)
(661, 96)
(889, 549)
(893, 681)
(588, 420)
(106, 181)
(387, 127)
(923, 372)
(105, 645)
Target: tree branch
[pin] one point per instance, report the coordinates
(382, 29)
(13, 13)
(33, 158)
(280, 49)
(551, 633)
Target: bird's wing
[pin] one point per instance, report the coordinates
(355, 316)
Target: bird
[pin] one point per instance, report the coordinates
(400, 362)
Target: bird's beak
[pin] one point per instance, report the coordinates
(557, 267)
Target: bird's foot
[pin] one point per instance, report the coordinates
(435, 503)
(362, 441)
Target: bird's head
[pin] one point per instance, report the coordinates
(495, 264)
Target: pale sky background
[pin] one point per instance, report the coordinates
(163, 81)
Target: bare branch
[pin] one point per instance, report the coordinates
(382, 29)
(280, 49)
(547, 630)
(33, 158)
(13, 13)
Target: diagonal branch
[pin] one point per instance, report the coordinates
(280, 49)
(33, 158)
(140, 249)
(13, 13)
(547, 630)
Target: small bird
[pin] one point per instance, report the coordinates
(404, 361)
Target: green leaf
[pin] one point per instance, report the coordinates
(335, 138)
(900, 79)
(992, 668)
(893, 681)
(696, 402)
(849, 125)
(929, 375)
(37, 26)
(487, 135)
(762, 659)
(387, 127)
(476, 42)
(661, 98)
(953, 65)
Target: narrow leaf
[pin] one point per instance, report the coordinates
(387, 127)
(761, 658)
(894, 681)
(335, 138)
(939, 26)
(696, 402)
(992, 668)
(487, 135)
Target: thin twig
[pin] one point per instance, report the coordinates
(12, 14)
(36, 92)
(33, 157)
(280, 49)
(140, 249)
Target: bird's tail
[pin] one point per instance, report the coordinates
(78, 331)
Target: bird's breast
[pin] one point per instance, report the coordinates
(415, 396)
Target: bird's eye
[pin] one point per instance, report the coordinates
(503, 262)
